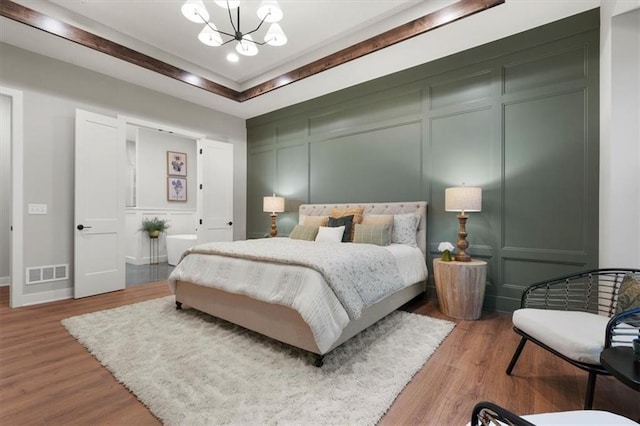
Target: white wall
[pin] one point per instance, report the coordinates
(152, 169)
(5, 187)
(620, 133)
(52, 90)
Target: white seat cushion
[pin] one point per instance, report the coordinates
(581, 417)
(576, 335)
(578, 417)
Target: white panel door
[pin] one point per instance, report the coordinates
(215, 191)
(99, 265)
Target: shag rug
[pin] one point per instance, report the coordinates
(192, 369)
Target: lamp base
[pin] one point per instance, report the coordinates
(462, 243)
(274, 228)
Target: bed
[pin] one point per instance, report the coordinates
(265, 310)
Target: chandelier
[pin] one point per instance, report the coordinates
(268, 11)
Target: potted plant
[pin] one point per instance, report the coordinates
(154, 226)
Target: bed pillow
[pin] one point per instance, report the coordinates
(304, 232)
(357, 213)
(326, 233)
(346, 221)
(404, 229)
(315, 220)
(379, 234)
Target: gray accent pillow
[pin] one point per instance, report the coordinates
(405, 227)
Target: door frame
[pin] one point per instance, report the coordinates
(16, 245)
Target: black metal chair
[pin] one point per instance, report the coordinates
(487, 413)
(575, 317)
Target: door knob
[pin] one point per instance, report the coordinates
(81, 227)
(229, 223)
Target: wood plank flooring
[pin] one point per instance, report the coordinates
(47, 377)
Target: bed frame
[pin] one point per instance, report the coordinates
(285, 324)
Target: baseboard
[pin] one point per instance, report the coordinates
(5, 281)
(46, 296)
(144, 261)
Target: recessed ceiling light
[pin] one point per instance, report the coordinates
(232, 57)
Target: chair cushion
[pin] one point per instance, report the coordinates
(576, 335)
(579, 417)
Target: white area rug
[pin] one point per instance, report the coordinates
(192, 369)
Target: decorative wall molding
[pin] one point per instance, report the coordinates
(454, 12)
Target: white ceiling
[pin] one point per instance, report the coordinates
(315, 28)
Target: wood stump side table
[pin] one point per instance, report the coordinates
(460, 287)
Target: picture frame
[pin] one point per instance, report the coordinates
(176, 189)
(176, 163)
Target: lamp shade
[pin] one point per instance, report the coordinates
(210, 36)
(270, 11)
(246, 46)
(463, 199)
(273, 204)
(275, 36)
(195, 11)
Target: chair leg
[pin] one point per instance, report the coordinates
(591, 387)
(516, 355)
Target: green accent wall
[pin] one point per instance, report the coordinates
(518, 117)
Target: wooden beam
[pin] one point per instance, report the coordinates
(431, 21)
(35, 19)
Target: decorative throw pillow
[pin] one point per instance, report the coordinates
(303, 232)
(378, 219)
(357, 213)
(330, 234)
(346, 221)
(404, 229)
(629, 293)
(379, 235)
(316, 220)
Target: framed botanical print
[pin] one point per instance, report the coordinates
(176, 189)
(176, 163)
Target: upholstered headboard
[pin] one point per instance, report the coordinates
(419, 207)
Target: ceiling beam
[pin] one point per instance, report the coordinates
(448, 14)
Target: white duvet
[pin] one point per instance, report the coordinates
(302, 288)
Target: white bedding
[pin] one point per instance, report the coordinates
(305, 289)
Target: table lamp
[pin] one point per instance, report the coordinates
(273, 204)
(463, 199)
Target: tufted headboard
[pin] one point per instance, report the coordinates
(419, 207)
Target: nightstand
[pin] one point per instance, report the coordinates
(460, 287)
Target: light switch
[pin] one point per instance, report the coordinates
(37, 209)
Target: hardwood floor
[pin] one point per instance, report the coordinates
(47, 377)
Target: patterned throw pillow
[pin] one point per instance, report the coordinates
(629, 293)
(357, 213)
(404, 229)
(379, 235)
(303, 232)
(346, 221)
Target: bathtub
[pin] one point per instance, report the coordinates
(177, 244)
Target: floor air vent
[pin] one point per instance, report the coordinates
(44, 274)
